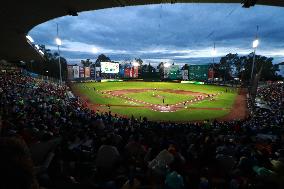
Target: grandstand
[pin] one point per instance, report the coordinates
(62, 128)
(52, 138)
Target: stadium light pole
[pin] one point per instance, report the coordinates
(30, 38)
(214, 53)
(166, 65)
(95, 51)
(59, 43)
(255, 44)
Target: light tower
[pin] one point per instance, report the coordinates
(95, 50)
(253, 82)
(214, 53)
(255, 44)
(59, 43)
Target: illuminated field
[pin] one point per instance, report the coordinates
(161, 101)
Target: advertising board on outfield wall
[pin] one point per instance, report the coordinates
(184, 74)
(193, 82)
(70, 72)
(76, 72)
(87, 72)
(81, 71)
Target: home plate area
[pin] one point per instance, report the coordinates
(168, 108)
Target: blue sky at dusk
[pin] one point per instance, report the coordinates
(180, 33)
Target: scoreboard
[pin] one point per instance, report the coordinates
(198, 72)
(109, 67)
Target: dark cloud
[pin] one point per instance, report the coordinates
(179, 32)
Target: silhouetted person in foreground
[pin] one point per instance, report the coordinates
(16, 166)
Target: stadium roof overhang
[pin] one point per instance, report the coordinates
(17, 18)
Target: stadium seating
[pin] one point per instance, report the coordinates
(74, 147)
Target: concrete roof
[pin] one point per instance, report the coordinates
(17, 18)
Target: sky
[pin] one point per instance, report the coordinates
(179, 33)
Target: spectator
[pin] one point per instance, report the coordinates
(16, 167)
(232, 154)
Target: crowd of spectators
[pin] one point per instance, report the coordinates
(87, 149)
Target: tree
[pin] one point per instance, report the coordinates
(139, 61)
(149, 72)
(151, 68)
(50, 65)
(47, 53)
(185, 67)
(144, 68)
(242, 66)
(230, 65)
(101, 58)
(86, 63)
(160, 67)
(263, 64)
(140, 70)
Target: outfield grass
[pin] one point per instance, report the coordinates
(223, 100)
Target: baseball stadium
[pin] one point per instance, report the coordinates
(164, 101)
(171, 94)
(142, 94)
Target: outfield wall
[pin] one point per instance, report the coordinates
(173, 72)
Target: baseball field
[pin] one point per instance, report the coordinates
(162, 101)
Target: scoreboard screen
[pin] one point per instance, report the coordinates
(109, 67)
(198, 72)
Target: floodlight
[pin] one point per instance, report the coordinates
(58, 41)
(167, 65)
(136, 64)
(95, 50)
(30, 38)
(214, 52)
(40, 51)
(255, 43)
